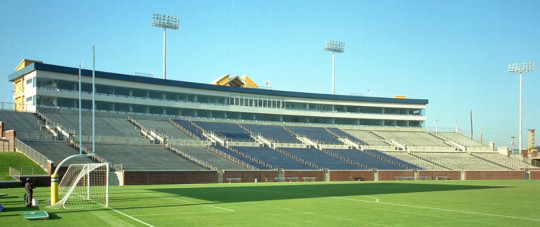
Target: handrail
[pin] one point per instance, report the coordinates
(228, 156)
(31, 153)
(193, 159)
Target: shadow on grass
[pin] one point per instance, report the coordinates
(253, 193)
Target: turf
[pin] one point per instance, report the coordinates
(404, 203)
(14, 159)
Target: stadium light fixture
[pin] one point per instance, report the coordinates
(335, 47)
(165, 22)
(524, 67)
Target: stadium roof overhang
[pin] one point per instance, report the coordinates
(157, 81)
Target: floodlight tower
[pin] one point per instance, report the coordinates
(525, 67)
(335, 47)
(162, 21)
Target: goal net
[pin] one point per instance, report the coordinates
(84, 186)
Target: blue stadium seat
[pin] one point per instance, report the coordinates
(240, 157)
(320, 158)
(191, 128)
(343, 134)
(273, 157)
(315, 133)
(393, 159)
(229, 131)
(364, 158)
(275, 133)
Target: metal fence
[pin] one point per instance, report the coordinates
(40, 159)
(17, 172)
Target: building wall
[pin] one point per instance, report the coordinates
(158, 104)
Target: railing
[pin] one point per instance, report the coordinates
(113, 140)
(193, 159)
(237, 161)
(16, 172)
(252, 158)
(40, 159)
(182, 128)
(35, 137)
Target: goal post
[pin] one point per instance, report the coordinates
(83, 186)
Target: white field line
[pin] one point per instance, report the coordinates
(461, 211)
(436, 208)
(399, 204)
(187, 201)
(194, 212)
(330, 216)
(131, 217)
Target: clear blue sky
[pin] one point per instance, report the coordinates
(453, 53)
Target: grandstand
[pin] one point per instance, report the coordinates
(176, 126)
(367, 137)
(320, 135)
(320, 159)
(274, 133)
(273, 158)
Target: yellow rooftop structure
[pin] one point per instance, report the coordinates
(237, 81)
(24, 63)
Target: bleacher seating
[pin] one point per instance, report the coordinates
(319, 158)
(421, 163)
(273, 158)
(118, 141)
(459, 139)
(230, 131)
(20, 122)
(367, 137)
(343, 134)
(365, 159)
(163, 127)
(460, 161)
(202, 153)
(413, 138)
(240, 157)
(315, 133)
(117, 126)
(149, 157)
(190, 128)
(503, 160)
(389, 158)
(57, 151)
(275, 133)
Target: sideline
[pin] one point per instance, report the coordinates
(131, 217)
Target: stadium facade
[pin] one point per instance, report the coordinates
(36, 85)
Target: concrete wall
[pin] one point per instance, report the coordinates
(169, 177)
(393, 174)
(319, 175)
(494, 175)
(249, 176)
(432, 175)
(351, 175)
(534, 174)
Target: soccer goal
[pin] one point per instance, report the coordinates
(84, 186)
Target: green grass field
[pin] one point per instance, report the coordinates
(404, 203)
(14, 159)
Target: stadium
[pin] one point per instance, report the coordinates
(153, 132)
(157, 131)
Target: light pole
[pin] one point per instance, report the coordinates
(525, 67)
(335, 47)
(162, 21)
